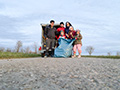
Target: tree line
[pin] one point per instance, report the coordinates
(19, 48)
(90, 50)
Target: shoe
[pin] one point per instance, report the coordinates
(79, 56)
(45, 56)
(52, 55)
(73, 56)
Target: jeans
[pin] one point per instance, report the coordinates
(50, 44)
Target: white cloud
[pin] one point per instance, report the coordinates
(98, 21)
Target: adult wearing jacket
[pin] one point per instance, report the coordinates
(68, 24)
(50, 37)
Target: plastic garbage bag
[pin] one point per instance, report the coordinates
(65, 48)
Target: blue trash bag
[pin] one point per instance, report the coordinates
(65, 48)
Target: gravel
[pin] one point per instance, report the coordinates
(60, 74)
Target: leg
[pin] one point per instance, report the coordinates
(47, 46)
(53, 47)
(53, 43)
(74, 51)
(79, 50)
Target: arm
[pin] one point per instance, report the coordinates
(73, 34)
(79, 37)
(46, 32)
(57, 32)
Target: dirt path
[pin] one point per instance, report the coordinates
(60, 74)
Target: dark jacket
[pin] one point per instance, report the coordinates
(78, 39)
(50, 32)
(67, 30)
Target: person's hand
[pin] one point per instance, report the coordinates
(70, 33)
(67, 35)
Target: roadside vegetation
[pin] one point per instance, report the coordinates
(19, 51)
(112, 57)
(33, 51)
(8, 55)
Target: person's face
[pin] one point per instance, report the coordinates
(52, 24)
(68, 24)
(62, 33)
(71, 28)
(61, 25)
(78, 32)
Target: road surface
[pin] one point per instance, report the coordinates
(60, 74)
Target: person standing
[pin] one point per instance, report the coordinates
(68, 24)
(50, 32)
(77, 44)
(71, 33)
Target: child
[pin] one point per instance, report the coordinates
(59, 29)
(77, 44)
(71, 33)
(61, 35)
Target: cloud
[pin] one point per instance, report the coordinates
(98, 21)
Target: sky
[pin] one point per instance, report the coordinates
(98, 20)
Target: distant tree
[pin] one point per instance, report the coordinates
(22, 50)
(89, 49)
(109, 53)
(18, 46)
(118, 53)
(35, 47)
(27, 49)
(8, 50)
(14, 50)
(2, 49)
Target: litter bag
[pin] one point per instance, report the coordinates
(65, 48)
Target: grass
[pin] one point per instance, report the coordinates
(112, 57)
(7, 55)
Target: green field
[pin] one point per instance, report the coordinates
(112, 57)
(4, 55)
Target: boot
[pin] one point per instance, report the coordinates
(74, 55)
(52, 53)
(79, 56)
(46, 53)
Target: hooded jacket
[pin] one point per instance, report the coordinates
(50, 32)
(78, 39)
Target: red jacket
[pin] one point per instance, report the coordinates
(61, 28)
(73, 34)
(61, 37)
(58, 30)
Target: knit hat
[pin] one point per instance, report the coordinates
(77, 30)
(71, 27)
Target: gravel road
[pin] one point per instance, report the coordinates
(60, 74)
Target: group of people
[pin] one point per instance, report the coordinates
(52, 35)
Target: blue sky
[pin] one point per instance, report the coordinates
(98, 20)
